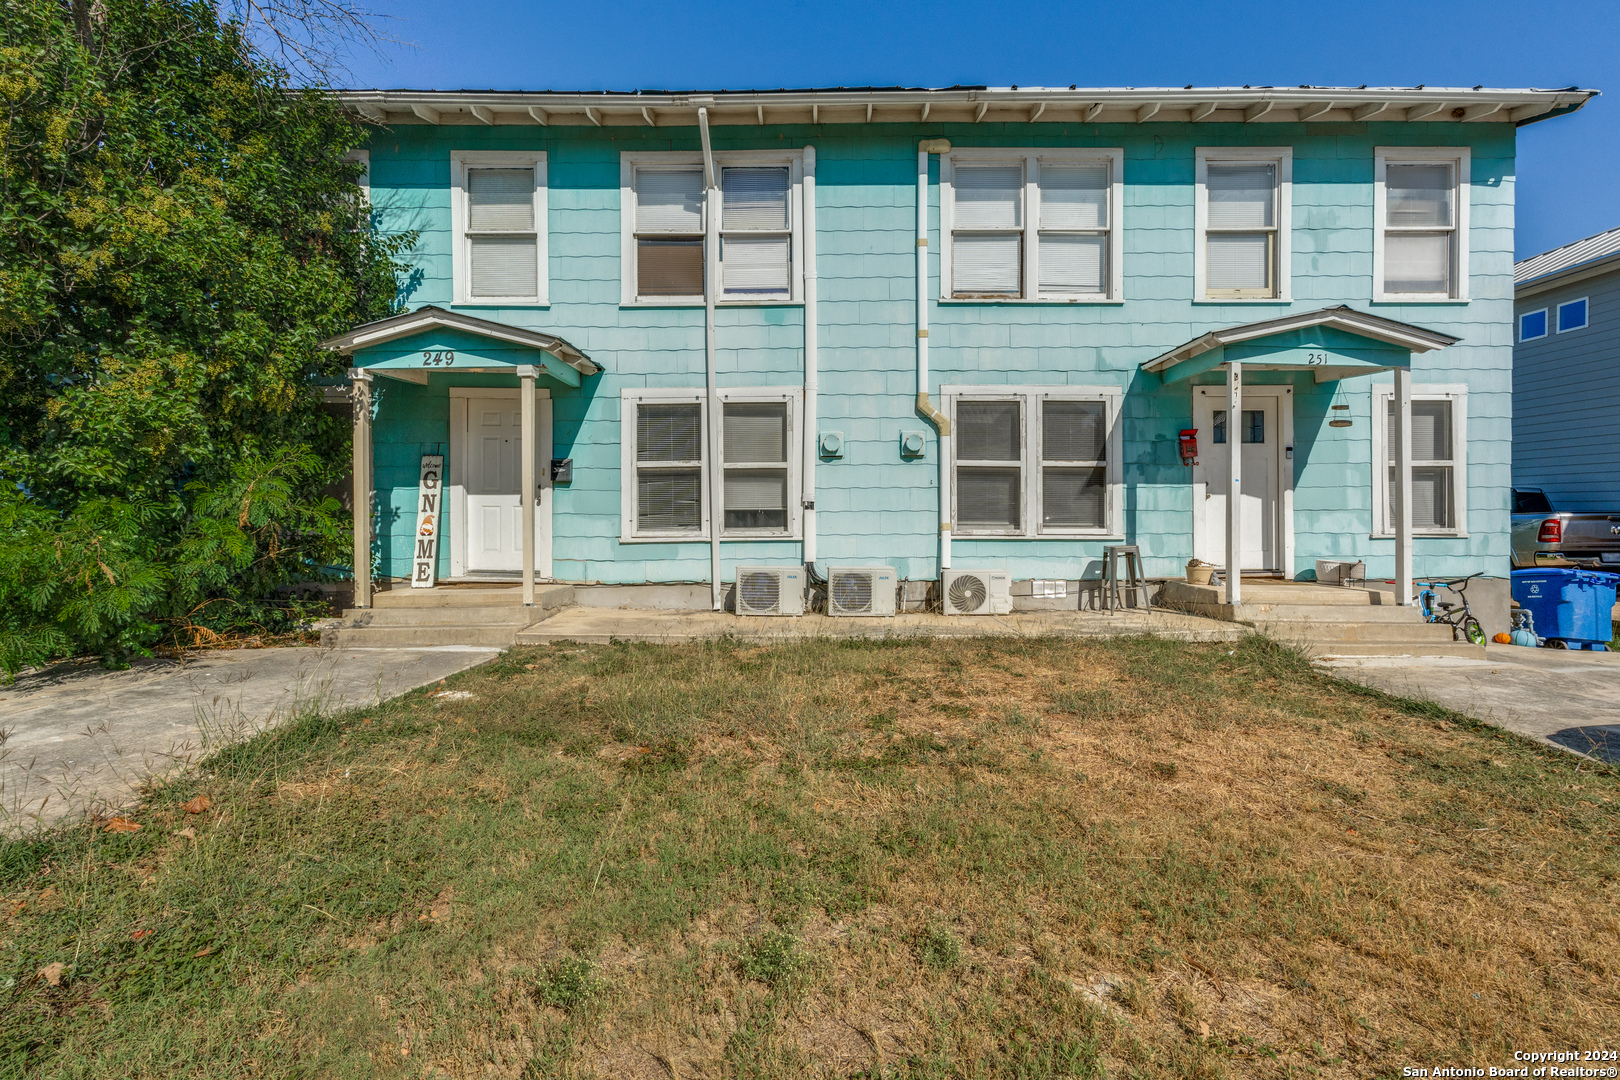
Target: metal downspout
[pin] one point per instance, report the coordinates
(711, 264)
(811, 376)
(925, 405)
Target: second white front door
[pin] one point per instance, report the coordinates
(490, 444)
(1260, 433)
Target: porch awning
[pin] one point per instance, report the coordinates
(1334, 343)
(413, 345)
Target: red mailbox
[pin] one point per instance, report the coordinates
(1189, 446)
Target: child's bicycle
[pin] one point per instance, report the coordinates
(1464, 627)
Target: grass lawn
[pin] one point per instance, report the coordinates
(949, 858)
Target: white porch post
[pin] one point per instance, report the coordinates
(360, 396)
(1401, 491)
(1234, 492)
(526, 374)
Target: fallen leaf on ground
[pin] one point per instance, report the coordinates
(197, 805)
(122, 824)
(137, 935)
(188, 832)
(1203, 1030)
(52, 973)
(202, 952)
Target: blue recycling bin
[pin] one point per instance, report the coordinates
(1571, 606)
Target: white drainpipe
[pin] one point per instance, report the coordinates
(810, 372)
(711, 264)
(924, 405)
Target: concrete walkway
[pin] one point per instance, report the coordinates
(79, 737)
(1565, 699)
(601, 625)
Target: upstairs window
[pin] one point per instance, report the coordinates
(1034, 461)
(1243, 212)
(1421, 198)
(1030, 225)
(664, 222)
(499, 219)
(1572, 315)
(1533, 325)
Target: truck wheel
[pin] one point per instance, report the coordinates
(1473, 632)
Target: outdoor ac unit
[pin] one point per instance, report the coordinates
(861, 590)
(770, 590)
(977, 592)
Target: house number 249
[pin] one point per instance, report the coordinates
(438, 359)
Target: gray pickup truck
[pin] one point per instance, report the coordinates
(1543, 536)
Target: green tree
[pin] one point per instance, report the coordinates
(179, 229)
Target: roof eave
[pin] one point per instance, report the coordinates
(1376, 327)
(409, 323)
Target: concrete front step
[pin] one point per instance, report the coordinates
(1311, 631)
(1449, 648)
(458, 596)
(497, 634)
(1371, 613)
(441, 616)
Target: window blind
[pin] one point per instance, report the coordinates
(987, 431)
(1431, 497)
(756, 498)
(1241, 196)
(1418, 195)
(1074, 498)
(754, 198)
(669, 267)
(669, 500)
(669, 201)
(1073, 431)
(1417, 262)
(754, 264)
(503, 265)
(1074, 264)
(755, 431)
(1074, 196)
(1431, 430)
(987, 264)
(500, 200)
(1238, 261)
(987, 498)
(669, 432)
(988, 196)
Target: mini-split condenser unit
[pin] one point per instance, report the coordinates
(977, 592)
(770, 590)
(861, 590)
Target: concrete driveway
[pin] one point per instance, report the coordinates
(1565, 699)
(79, 737)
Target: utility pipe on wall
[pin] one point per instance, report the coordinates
(711, 263)
(925, 405)
(811, 379)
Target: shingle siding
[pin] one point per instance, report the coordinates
(875, 506)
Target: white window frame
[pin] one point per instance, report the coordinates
(1546, 326)
(1457, 394)
(1283, 158)
(1031, 160)
(629, 161)
(460, 162)
(363, 182)
(1558, 317)
(1458, 158)
(1029, 493)
(713, 509)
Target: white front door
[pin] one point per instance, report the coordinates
(486, 473)
(1262, 432)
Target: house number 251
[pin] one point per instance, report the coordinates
(438, 359)
(1316, 359)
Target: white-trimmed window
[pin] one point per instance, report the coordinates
(663, 218)
(1244, 214)
(1533, 325)
(1035, 460)
(665, 485)
(1439, 460)
(1031, 225)
(1572, 315)
(1420, 210)
(498, 221)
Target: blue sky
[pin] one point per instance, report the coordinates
(1568, 168)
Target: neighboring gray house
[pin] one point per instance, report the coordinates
(1566, 374)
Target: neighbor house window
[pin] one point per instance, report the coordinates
(498, 213)
(1532, 325)
(1439, 460)
(1572, 315)
(664, 221)
(666, 492)
(1030, 225)
(1033, 461)
(1421, 211)
(1243, 214)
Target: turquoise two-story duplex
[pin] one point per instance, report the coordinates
(971, 327)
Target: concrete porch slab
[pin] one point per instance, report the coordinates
(77, 737)
(602, 625)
